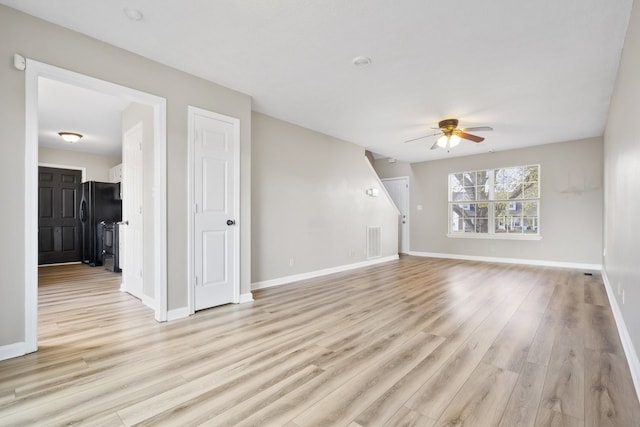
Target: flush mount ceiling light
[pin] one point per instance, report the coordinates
(133, 14)
(361, 61)
(70, 137)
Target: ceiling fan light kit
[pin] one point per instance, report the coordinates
(450, 135)
(450, 140)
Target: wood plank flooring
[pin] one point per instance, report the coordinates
(417, 342)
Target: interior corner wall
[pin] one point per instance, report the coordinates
(571, 203)
(131, 116)
(310, 209)
(622, 184)
(51, 44)
(97, 166)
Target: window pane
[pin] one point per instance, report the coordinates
(500, 209)
(469, 217)
(458, 194)
(514, 224)
(456, 180)
(531, 190)
(482, 185)
(482, 210)
(530, 208)
(530, 224)
(514, 190)
(469, 179)
(508, 175)
(531, 173)
(501, 192)
(470, 193)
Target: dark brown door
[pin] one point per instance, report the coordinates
(58, 222)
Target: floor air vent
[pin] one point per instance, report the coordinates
(374, 246)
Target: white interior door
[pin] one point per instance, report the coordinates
(131, 226)
(398, 189)
(216, 208)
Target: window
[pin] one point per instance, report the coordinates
(494, 202)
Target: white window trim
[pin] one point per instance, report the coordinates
(491, 234)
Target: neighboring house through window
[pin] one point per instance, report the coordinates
(502, 202)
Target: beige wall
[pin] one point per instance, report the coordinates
(309, 201)
(97, 167)
(622, 183)
(51, 44)
(131, 116)
(570, 206)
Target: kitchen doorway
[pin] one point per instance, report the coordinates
(34, 72)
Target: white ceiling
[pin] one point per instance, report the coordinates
(536, 71)
(66, 108)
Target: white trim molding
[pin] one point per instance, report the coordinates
(248, 297)
(498, 236)
(318, 273)
(178, 313)
(623, 332)
(13, 350)
(36, 70)
(538, 262)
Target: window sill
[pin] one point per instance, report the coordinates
(495, 236)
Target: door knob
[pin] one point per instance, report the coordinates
(231, 222)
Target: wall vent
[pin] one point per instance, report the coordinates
(374, 243)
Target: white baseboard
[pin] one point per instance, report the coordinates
(623, 332)
(59, 263)
(13, 350)
(248, 297)
(310, 275)
(178, 313)
(149, 302)
(545, 263)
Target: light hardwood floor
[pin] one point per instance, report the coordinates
(417, 342)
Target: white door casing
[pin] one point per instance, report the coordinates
(214, 141)
(34, 71)
(398, 189)
(132, 206)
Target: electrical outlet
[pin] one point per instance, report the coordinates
(604, 252)
(291, 262)
(623, 297)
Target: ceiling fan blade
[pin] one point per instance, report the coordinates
(468, 136)
(435, 145)
(478, 128)
(424, 136)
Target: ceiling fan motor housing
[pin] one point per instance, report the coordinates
(448, 126)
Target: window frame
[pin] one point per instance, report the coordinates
(491, 201)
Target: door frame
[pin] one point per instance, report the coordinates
(191, 138)
(406, 241)
(34, 71)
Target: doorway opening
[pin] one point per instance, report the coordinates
(398, 189)
(34, 72)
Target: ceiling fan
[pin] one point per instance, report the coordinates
(450, 134)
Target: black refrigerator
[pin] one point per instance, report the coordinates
(100, 202)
